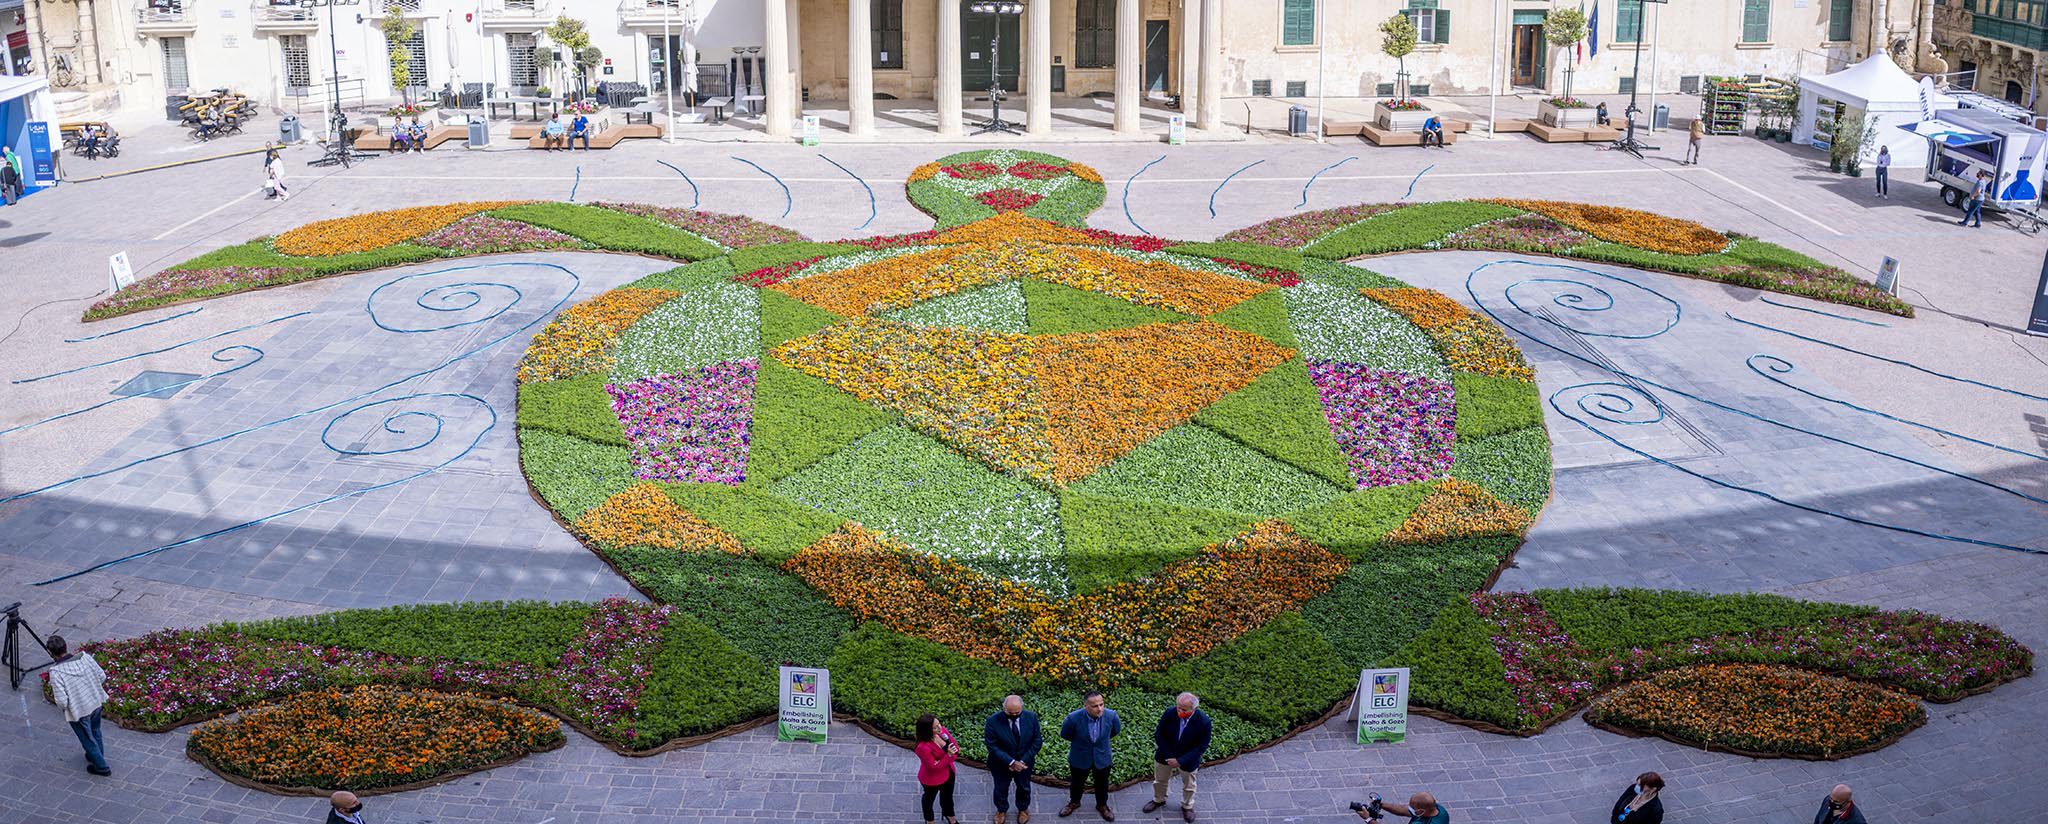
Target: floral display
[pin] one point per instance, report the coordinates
(969, 186)
(1340, 325)
(1761, 711)
(690, 427)
(1035, 170)
(711, 323)
(1296, 231)
(486, 235)
(1008, 200)
(971, 171)
(1629, 227)
(370, 230)
(1277, 277)
(1458, 508)
(602, 675)
(1468, 341)
(1406, 104)
(371, 737)
(643, 515)
(174, 284)
(1568, 103)
(924, 238)
(580, 340)
(726, 231)
(1395, 427)
(1520, 233)
(771, 275)
(1548, 674)
(1135, 243)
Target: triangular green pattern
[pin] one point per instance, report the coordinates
(998, 308)
(576, 406)
(1489, 406)
(1117, 539)
(784, 318)
(1281, 415)
(685, 278)
(1265, 316)
(799, 419)
(770, 526)
(1056, 310)
(1193, 465)
(1354, 524)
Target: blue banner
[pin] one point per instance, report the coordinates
(42, 164)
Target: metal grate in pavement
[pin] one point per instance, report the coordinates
(154, 384)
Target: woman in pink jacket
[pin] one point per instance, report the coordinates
(936, 750)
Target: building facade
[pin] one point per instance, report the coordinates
(1996, 45)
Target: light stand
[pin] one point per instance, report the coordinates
(1628, 142)
(996, 123)
(340, 150)
(10, 650)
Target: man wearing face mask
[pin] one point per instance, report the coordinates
(346, 809)
(1639, 803)
(1839, 808)
(1177, 746)
(1013, 740)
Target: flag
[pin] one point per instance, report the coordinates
(1593, 32)
(1579, 48)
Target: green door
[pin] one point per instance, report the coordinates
(979, 48)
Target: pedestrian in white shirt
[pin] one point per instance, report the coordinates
(79, 687)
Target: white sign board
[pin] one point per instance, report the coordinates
(806, 705)
(120, 271)
(1176, 130)
(1381, 706)
(1888, 276)
(811, 130)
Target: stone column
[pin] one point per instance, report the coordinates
(780, 108)
(1130, 65)
(1211, 105)
(1190, 59)
(796, 57)
(860, 69)
(1037, 67)
(946, 88)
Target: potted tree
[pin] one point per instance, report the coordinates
(397, 31)
(1402, 113)
(1853, 134)
(1564, 28)
(573, 52)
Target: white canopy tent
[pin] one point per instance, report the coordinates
(1878, 87)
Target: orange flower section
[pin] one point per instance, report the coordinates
(1107, 393)
(1426, 308)
(1628, 227)
(581, 339)
(1458, 509)
(1469, 342)
(375, 230)
(1185, 610)
(1763, 710)
(371, 737)
(925, 172)
(1016, 226)
(1086, 172)
(854, 291)
(645, 516)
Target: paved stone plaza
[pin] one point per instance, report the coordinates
(1631, 506)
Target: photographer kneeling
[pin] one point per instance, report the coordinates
(1422, 808)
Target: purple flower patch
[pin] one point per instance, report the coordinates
(690, 427)
(1395, 427)
(483, 234)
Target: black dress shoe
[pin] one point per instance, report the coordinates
(1153, 805)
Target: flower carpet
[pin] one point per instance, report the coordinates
(1016, 454)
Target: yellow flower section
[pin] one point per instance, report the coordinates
(852, 291)
(1426, 308)
(1086, 172)
(1458, 509)
(1185, 610)
(645, 516)
(1016, 226)
(375, 230)
(925, 172)
(1469, 342)
(1629, 227)
(582, 339)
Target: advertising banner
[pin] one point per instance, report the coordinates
(120, 271)
(42, 163)
(2037, 323)
(1381, 708)
(1176, 130)
(1888, 276)
(806, 705)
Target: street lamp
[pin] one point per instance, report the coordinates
(1628, 142)
(995, 60)
(338, 149)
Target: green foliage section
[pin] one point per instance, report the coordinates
(1758, 265)
(1339, 324)
(711, 323)
(1069, 204)
(784, 318)
(1193, 465)
(1413, 227)
(927, 494)
(1612, 620)
(697, 683)
(998, 308)
(755, 258)
(571, 474)
(1053, 309)
(1454, 668)
(1251, 253)
(1353, 524)
(770, 526)
(763, 611)
(1281, 415)
(1346, 276)
(615, 231)
(890, 679)
(524, 632)
(1114, 539)
(1488, 405)
(1281, 675)
(1264, 315)
(576, 406)
(799, 419)
(1514, 467)
(260, 254)
(687, 277)
(1382, 602)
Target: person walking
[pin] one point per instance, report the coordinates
(78, 686)
(1693, 135)
(936, 751)
(1177, 747)
(1884, 168)
(10, 183)
(1089, 730)
(1639, 803)
(344, 809)
(1839, 808)
(273, 176)
(1013, 739)
(1973, 209)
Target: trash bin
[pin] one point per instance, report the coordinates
(1297, 121)
(288, 130)
(479, 133)
(1661, 117)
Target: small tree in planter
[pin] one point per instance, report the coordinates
(1397, 40)
(397, 31)
(572, 46)
(1853, 134)
(1564, 28)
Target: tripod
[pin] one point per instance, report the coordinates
(341, 150)
(996, 123)
(10, 652)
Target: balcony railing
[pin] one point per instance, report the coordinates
(517, 9)
(2024, 35)
(164, 17)
(269, 14)
(656, 12)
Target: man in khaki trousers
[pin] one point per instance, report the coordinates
(1177, 747)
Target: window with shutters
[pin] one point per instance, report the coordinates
(1756, 21)
(1432, 24)
(1095, 33)
(525, 71)
(1628, 21)
(1841, 19)
(176, 75)
(416, 65)
(298, 63)
(1298, 23)
(887, 19)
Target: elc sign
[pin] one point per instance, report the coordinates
(806, 705)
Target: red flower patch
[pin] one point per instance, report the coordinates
(896, 241)
(771, 275)
(1277, 277)
(1135, 243)
(1034, 170)
(1008, 200)
(972, 171)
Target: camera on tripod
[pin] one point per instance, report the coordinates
(1371, 807)
(11, 626)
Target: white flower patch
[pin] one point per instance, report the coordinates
(998, 308)
(713, 323)
(1334, 323)
(1199, 264)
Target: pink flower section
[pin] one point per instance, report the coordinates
(1547, 671)
(483, 234)
(1395, 427)
(692, 427)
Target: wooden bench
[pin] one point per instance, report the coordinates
(1393, 137)
(1343, 128)
(442, 134)
(526, 131)
(1509, 125)
(1557, 134)
(606, 136)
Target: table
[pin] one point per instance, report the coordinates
(553, 105)
(717, 106)
(752, 103)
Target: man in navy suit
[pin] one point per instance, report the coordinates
(1089, 730)
(1013, 741)
(1177, 747)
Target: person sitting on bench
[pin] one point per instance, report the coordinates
(417, 135)
(1600, 115)
(400, 138)
(579, 129)
(1433, 131)
(552, 134)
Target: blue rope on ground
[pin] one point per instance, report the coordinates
(1767, 299)
(1579, 303)
(1418, 179)
(217, 353)
(1319, 173)
(863, 184)
(1127, 194)
(576, 185)
(136, 326)
(787, 201)
(163, 350)
(695, 196)
(1226, 181)
(1772, 366)
(1893, 361)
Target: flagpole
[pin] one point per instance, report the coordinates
(1322, 37)
(1656, 26)
(1493, 76)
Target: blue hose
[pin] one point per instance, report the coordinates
(787, 201)
(1127, 193)
(135, 327)
(695, 196)
(1226, 181)
(863, 184)
(164, 349)
(1319, 173)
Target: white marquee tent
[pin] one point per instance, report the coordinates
(1885, 92)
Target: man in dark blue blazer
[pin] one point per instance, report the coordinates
(1013, 741)
(1177, 747)
(1089, 730)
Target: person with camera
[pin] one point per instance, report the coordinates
(1422, 808)
(1838, 808)
(1639, 803)
(1177, 746)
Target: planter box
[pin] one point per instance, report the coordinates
(1567, 118)
(1408, 121)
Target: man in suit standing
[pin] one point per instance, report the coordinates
(1089, 730)
(1177, 747)
(1013, 741)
